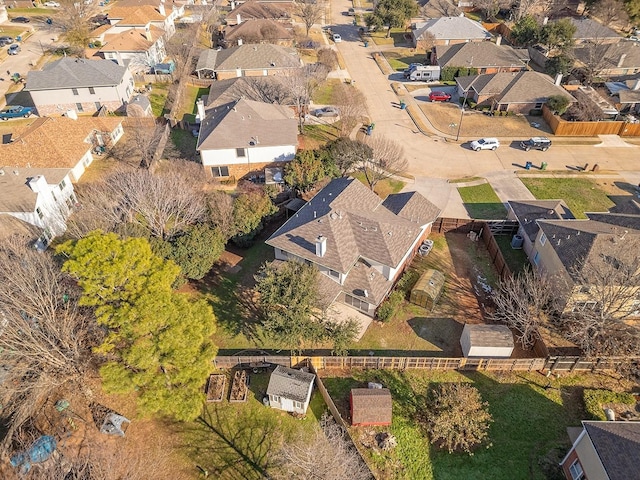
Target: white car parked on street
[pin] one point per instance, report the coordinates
(485, 144)
(51, 4)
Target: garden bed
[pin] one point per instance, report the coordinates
(216, 387)
(239, 387)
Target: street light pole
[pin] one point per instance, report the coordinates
(464, 102)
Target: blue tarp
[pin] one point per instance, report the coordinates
(41, 449)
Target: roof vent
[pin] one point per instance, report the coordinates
(389, 233)
(333, 215)
(1, 172)
(365, 293)
(15, 172)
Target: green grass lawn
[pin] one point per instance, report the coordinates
(323, 95)
(158, 98)
(482, 202)
(580, 194)
(385, 187)
(528, 436)
(396, 38)
(185, 142)
(516, 259)
(401, 59)
(11, 31)
(188, 107)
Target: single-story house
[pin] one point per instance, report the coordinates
(262, 30)
(253, 9)
(450, 30)
(370, 406)
(81, 138)
(243, 137)
(604, 451)
(81, 85)
(589, 30)
(486, 341)
(510, 91)
(440, 8)
(290, 389)
(259, 89)
(248, 61)
(486, 57)
(610, 60)
(359, 243)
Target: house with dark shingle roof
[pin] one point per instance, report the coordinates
(610, 59)
(589, 30)
(450, 30)
(510, 91)
(358, 241)
(81, 85)
(253, 9)
(262, 30)
(370, 406)
(290, 389)
(242, 137)
(254, 60)
(486, 57)
(604, 451)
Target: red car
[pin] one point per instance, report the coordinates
(439, 97)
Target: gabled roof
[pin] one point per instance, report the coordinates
(250, 88)
(134, 40)
(412, 206)
(16, 195)
(367, 283)
(481, 335)
(452, 28)
(10, 226)
(264, 56)
(136, 15)
(440, 8)
(528, 212)
(355, 223)
(514, 87)
(481, 55)
(290, 384)
(75, 73)
(625, 53)
(236, 124)
(254, 9)
(252, 31)
(43, 136)
(371, 406)
(587, 28)
(618, 447)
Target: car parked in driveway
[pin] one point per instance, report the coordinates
(327, 112)
(5, 41)
(51, 4)
(439, 96)
(538, 143)
(16, 111)
(337, 38)
(485, 144)
(13, 49)
(20, 20)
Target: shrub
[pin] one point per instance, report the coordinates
(558, 104)
(594, 399)
(390, 306)
(407, 281)
(328, 57)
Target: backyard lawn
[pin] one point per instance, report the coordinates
(527, 439)
(158, 98)
(385, 187)
(185, 142)
(189, 108)
(580, 194)
(482, 202)
(516, 258)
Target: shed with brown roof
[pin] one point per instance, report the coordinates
(370, 406)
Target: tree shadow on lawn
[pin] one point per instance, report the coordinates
(528, 432)
(444, 333)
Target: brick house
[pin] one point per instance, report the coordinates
(486, 57)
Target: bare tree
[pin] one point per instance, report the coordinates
(301, 84)
(325, 455)
(426, 42)
(74, 18)
(387, 160)
(439, 8)
(352, 105)
(610, 11)
(490, 8)
(328, 56)
(310, 11)
(593, 56)
(221, 212)
(179, 45)
(347, 153)
(140, 144)
(265, 89)
(585, 111)
(523, 302)
(45, 338)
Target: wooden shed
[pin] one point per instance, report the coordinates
(486, 341)
(370, 406)
(428, 289)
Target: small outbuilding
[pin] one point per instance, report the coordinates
(370, 406)
(428, 289)
(290, 389)
(486, 341)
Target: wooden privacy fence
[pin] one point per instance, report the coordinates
(562, 128)
(552, 364)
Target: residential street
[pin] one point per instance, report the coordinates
(436, 158)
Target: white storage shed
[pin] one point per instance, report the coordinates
(486, 341)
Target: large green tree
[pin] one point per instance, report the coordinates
(558, 34)
(158, 341)
(391, 14)
(347, 154)
(526, 31)
(304, 171)
(249, 211)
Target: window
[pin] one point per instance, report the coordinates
(274, 398)
(98, 105)
(297, 405)
(220, 171)
(536, 259)
(539, 105)
(92, 90)
(62, 185)
(39, 212)
(55, 199)
(241, 152)
(75, 91)
(334, 274)
(79, 107)
(356, 303)
(543, 239)
(581, 306)
(576, 471)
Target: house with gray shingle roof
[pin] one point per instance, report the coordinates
(81, 85)
(254, 60)
(450, 30)
(589, 30)
(290, 389)
(261, 30)
(355, 239)
(619, 59)
(604, 450)
(510, 91)
(242, 137)
(485, 57)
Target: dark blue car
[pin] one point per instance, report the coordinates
(15, 112)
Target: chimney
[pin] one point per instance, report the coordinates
(161, 9)
(238, 72)
(200, 105)
(239, 41)
(147, 34)
(321, 246)
(636, 85)
(558, 79)
(238, 19)
(71, 114)
(621, 61)
(499, 40)
(545, 20)
(232, 4)
(37, 184)
(365, 294)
